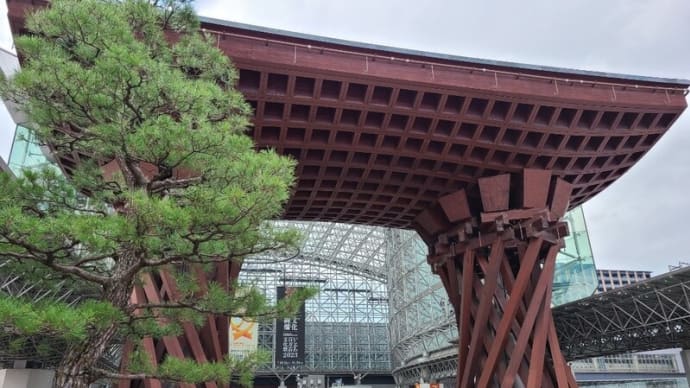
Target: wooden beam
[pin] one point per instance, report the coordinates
(504, 333)
(526, 331)
(510, 311)
(561, 198)
(513, 214)
(535, 187)
(536, 363)
(485, 301)
(560, 367)
(495, 192)
(172, 344)
(455, 206)
(465, 307)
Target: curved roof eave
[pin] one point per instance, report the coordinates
(445, 57)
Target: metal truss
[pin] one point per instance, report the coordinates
(13, 285)
(47, 350)
(363, 272)
(350, 248)
(347, 322)
(443, 365)
(421, 318)
(649, 315)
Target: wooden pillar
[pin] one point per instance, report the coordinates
(208, 343)
(495, 251)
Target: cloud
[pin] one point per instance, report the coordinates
(638, 222)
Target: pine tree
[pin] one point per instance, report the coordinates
(141, 109)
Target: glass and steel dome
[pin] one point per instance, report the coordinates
(380, 309)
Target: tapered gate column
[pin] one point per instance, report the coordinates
(495, 252)
(206, 344)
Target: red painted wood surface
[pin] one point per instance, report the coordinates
(506, 332)
(381, 135)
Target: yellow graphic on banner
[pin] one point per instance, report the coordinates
(241, 329)
(243, 337)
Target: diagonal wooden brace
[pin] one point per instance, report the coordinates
(498, 272)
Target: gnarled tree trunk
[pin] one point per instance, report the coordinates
(73, 371)
(76, 368)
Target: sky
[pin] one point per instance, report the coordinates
(6, 57)
(639, 221)
(636, 223)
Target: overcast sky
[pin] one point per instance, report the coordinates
(639, 222)
(6, 44)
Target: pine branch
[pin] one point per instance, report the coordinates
(194, 306)
(102, 373)
(208, 258)
(49, 261)
(168, 184)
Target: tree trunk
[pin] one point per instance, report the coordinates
(74, 370)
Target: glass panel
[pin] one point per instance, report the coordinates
(26, 153)
(575, 276)
(347, 322)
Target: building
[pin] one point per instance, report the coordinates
(346, 324)
(393, 138)
(382, 316)
(611, 279)
(8, 65)
(647, 369)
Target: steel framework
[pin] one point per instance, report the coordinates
(653, 314)
(365, 271)
(14, 285)
(44, 348)
(346, 324)
(421, 317)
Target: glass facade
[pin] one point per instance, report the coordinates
(26, 153)
(575, 276)
(347, 322)
(8, 65)
(421, 317)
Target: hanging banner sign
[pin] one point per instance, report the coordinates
(290, 332)
(244, 337)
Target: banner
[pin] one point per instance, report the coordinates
(290, 335)
(244, 337)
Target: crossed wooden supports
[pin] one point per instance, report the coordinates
(496, 254)
(210, 343)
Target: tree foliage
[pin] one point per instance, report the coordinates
(142, 111)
